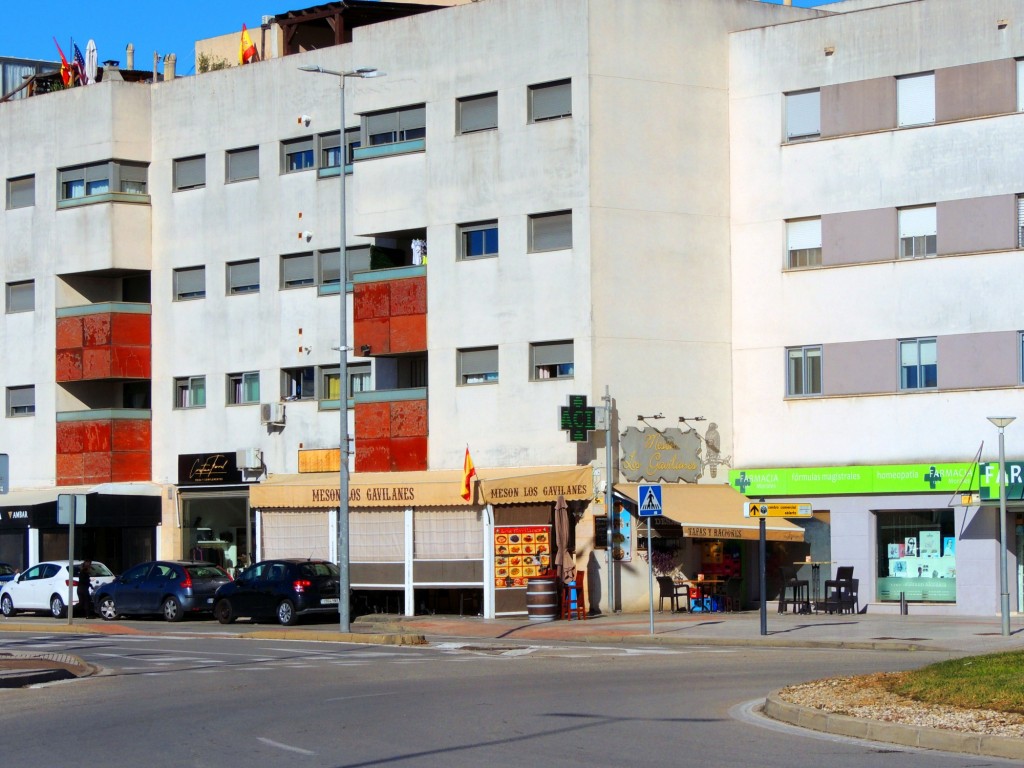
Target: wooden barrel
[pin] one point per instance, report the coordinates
(542, 599)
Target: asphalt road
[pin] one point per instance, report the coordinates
(177, 701)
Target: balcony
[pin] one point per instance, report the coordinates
(390, 310)
(111, 445)
(110, 340)
(391, 430)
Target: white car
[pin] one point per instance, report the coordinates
(44, 587)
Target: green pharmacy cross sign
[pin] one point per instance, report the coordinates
(578, 419)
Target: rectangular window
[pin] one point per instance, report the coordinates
(330, 382)
(1020, 221)
(242, 164)
(478, 240)
(395, 126)
(551, 360)
(21, 192)
(803, 115)
(918, 230)
(243, 277)
(298, 383)
(21, 401)
(243, 388)
(359, 260)
(330, 150)
(21, 296)
(549, 101)
(297, 155)
(329, 267)
(915, 99)
(190, 172)
(916, 555)
(803, 243)
(190, 392)
(919, 368)
(358, 378)
(189, 283)
(803, 373)
(477, 113)
(550, 231)
(478, 366)
(101, 178)
(297, 270)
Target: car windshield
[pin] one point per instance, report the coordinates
(206, 572)
(98, 569)
(318, 569)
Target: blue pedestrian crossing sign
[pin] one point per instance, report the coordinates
(649, 500)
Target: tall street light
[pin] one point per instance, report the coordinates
(1004, 589)
(344, 581)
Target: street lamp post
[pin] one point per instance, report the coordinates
(344, 618)
(1004, 589)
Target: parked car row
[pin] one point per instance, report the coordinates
(282, 589)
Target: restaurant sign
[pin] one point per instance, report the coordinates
(650, 455)
(828, 481)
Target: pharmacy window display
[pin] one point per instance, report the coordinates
(917, 556)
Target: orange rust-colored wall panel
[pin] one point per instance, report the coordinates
(132, 435)
(70, 469)
(96, 437)
(70, 437)
(408, 334)
(96, 467)
(103, 451)
(373, 420)
(96, 330)
(408, 454)
(371, 300)
(373, 455)
(409, 418)
(130, 362)
(409, 297)
(131, 465)
(69, 332)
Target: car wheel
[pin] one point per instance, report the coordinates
(286, 613)
(108, 610)
(223, 611)
(7, 606)
(56, 607)
(172, 609)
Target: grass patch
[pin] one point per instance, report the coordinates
(992, 682)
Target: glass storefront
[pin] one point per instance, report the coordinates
(916, 555)
(216, 527)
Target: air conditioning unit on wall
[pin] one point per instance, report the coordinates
(249, 458)
(271, 413)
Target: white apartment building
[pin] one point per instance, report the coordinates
(583, 198)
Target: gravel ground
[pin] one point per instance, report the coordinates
(867, 697)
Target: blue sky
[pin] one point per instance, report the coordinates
(166, 26)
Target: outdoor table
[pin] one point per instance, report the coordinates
(705, 588)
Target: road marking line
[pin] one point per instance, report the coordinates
(285, 747)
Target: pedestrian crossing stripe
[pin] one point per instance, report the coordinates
(650, 504)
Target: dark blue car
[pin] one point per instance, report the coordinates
(172, 588)
(282, 589)
(7, 572)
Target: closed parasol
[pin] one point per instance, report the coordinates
(90, 62)
(565, 563)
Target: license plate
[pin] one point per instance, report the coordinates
(209, 601)
(328, 601)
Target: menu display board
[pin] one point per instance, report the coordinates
(520, 552)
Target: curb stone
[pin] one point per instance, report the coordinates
(892, 733)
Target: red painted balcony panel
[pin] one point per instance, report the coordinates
(408, 454)
(69, 332)
(409, 418)
(131, 466)
(70, 437)
(409, 297)
(374, 333)
(70, 469)
(373, 455)
(69, 365)
(371, 300)
(373, 421)
(130, 362)
(104, 451)
(96, 363)
(131, 330)
(408, 334)
(96, 330)
(132, 435)
(96, 467)
(96, 437)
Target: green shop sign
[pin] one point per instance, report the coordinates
(885, 478)
(988, 473)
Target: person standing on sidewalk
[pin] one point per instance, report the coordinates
(84, 581)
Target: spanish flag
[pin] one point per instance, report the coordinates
(65, 68)
(246, 49)
(468, 472)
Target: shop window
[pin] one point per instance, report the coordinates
(916, 556)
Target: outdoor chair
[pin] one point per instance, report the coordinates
(668, 589)
(800, 590)
(730, 594)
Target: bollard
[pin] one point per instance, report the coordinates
(903, 603)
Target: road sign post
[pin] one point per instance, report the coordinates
(761, 510)
(5, 473)
(71, 510)
(648, 500)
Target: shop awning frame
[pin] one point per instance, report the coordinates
(714, 512)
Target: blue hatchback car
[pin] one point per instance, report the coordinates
(172, 588)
